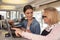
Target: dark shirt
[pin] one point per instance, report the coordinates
(45, 33)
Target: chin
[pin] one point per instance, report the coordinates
(46, 22)
(29, 18)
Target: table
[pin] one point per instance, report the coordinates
(2, 37)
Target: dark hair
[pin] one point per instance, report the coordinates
(27, 7)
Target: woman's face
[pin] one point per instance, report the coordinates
(29, 14)
(45, 17)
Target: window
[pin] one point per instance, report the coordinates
(3, 13)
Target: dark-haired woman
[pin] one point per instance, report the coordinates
(30, 24)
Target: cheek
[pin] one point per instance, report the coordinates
(29, 15)
(46, 20)
(26, 15)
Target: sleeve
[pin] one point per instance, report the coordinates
(54, 35)
(37, 28)
(39, 37)
(20, 24)
(32, 36)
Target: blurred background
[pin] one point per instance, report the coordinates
(13, 9)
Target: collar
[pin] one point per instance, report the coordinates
(49, 28)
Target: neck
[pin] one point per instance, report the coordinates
(49, 24)
(30, 19)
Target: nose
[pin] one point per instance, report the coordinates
(30, 14)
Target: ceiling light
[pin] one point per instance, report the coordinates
(15, 1)
(7, 7)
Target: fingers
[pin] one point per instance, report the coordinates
(17, 33)
(15, 28)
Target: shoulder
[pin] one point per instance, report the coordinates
(24, 21)
(56, 28)
(55, 31)
(35, 21)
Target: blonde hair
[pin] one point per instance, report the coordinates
(52, 14)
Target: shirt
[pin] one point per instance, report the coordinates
(53, 35)
(34, 27)
(47, 30)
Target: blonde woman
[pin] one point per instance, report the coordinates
(50, 17)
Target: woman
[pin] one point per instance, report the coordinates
(50, 17)
(30, 24)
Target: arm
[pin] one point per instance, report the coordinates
(37, 28)
(32, 36)
(54, 35)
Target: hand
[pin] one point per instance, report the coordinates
(23, 29)
(28, 31)
(18, 31)
(15, 28)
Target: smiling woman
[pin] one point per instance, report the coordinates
(30, 24)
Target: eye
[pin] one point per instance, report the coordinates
(44, 16)
(27, 13)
